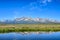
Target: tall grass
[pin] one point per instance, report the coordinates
(29, 27)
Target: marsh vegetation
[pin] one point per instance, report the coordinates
(28, 27)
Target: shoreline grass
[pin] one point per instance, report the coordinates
(29, 27)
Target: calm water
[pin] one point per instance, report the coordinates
(30, 36)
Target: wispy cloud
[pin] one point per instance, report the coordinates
(49, 0)
(37, 5)
(33, 6)
(44, 2)
(16, 14)
(40, 3)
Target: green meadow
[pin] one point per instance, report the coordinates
(29, 27)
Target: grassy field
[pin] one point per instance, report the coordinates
(28, 27)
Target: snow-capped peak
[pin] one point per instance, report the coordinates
(31, 20)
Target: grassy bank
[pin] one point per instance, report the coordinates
(28, 27)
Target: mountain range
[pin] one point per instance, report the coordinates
(29, 20)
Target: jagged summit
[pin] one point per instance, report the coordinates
(29, 20)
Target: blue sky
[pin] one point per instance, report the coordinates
(10, 9)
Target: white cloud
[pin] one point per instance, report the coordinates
(32, 6)
(16, 14)
(49, 0)
(37, 5)
(44, 1)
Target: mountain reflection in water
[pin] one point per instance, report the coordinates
(30, 36)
